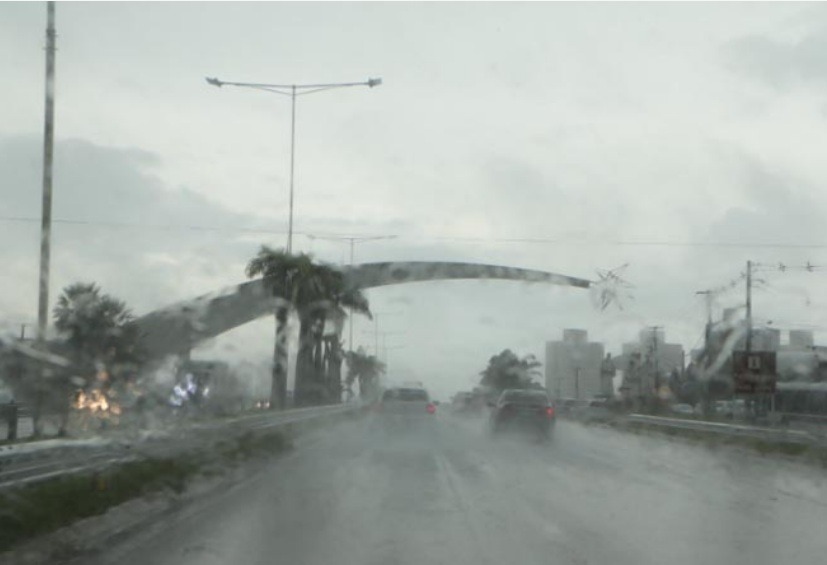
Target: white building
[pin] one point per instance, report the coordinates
(573, 366)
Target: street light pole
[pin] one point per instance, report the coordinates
(376, 328)
(383, 356)
(385, 353)
(353, 241)
(293, 91)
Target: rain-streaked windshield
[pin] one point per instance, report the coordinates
(406, 395)
(515, 397)
(369, 283)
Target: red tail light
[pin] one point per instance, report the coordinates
(431, 408)
(550, 411)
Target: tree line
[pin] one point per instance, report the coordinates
(507, 370)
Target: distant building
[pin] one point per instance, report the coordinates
(801, 339)
(573, 366)
(648, 363)
(797, 360)
(652, 344)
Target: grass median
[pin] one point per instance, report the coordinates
(811, 454)
(36, 509)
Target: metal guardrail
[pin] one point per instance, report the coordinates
(756, 432)
(37, 461)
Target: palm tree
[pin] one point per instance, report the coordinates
(506, 370)
(281, 272)
(334, 354)
(366, 369)
(99, 334)
(319, 359)
(315, 291)
(96, 326)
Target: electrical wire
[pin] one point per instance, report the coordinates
(459, 239)
(134, 225)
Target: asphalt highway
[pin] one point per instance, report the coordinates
(449, 494)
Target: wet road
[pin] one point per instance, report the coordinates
(451, 495)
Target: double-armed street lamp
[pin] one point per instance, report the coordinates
(376, 332)
(293, 91)
(353, 241)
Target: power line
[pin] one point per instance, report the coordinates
(193, 227)
(159, 227)
(783, 268)
(458, 239)
(632, 243)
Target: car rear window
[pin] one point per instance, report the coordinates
(406, 395)
(537, 398)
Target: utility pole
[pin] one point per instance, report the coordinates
(749, 307)
(654, 330)
(751, 406)
(708, 295)
(657, 367)
(48, 152)
(292, 165)
(577, 383)
(46, 207)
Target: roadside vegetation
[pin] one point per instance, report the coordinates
(44, 507)
(507, 370)
(810, 454)
(97, 337)
(318, 294)
(366, 370)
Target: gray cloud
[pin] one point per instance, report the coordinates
(126, 229)
(781, 63)
(777, 208)
(568, 128)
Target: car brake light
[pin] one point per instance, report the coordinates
(431, 408)
(550, 411)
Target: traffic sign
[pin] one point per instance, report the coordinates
(754, 372)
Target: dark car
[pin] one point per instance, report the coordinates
(523, 411)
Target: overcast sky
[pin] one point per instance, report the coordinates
(680, 139)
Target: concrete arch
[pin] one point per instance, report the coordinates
(178, 327)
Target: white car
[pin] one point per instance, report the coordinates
(685, 409)
(405, 407)
(731, 408)
(6, 397)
